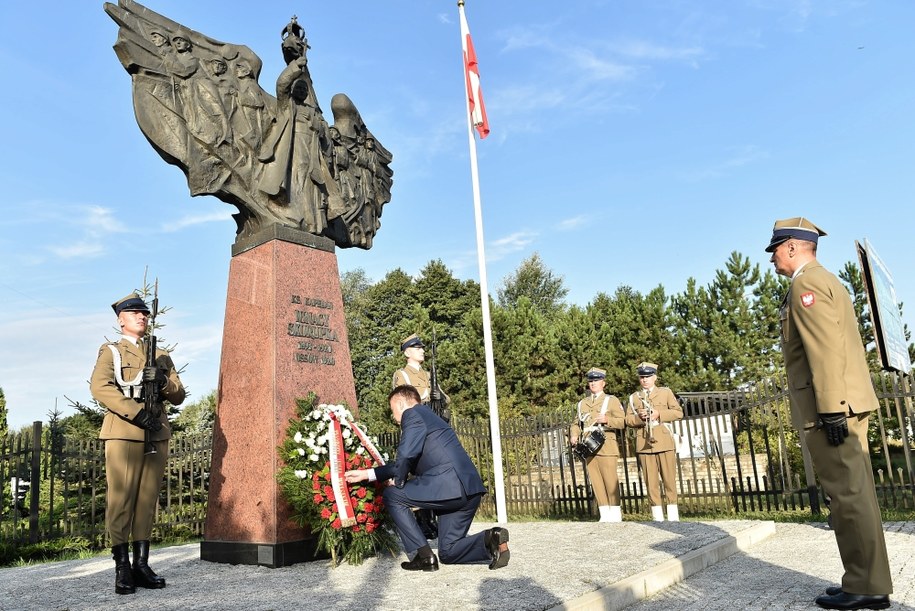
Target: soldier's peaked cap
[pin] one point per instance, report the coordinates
(646, 369)
(131, 303)
(411, 341)
(595, 374)
(797, 227)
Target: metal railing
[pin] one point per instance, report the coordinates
(738, 454)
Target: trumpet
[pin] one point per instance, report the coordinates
(645, 413)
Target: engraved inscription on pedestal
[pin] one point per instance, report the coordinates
(315, 336)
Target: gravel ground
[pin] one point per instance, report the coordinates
(553, 565)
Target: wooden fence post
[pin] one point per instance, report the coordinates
(34, 481)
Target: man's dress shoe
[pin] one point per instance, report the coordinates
(494, 538)
(844, 600)
(419, 563)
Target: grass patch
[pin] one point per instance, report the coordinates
(67, 548)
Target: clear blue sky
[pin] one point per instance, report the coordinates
(632, 143)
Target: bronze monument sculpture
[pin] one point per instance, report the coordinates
(198, 102)
(302, 188)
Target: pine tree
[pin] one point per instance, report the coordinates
(444, 298)
(534, 280)
(4, 425)
(850, 274)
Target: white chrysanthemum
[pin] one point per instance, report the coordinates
(301, 451)
(301, 473)
(312, 457)
(360, 450)
(346, 434)
(316, 414)
(298, 437)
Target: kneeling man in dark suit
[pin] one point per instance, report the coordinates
(444, 480)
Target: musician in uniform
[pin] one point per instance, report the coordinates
(130, 431)
(832, 397)
(604, 413)
(650, 409)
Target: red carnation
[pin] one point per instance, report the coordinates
(336, 524)
(368, 508)
(318, 499)
(315, 484)
(328, 491)
(360, 493)
(369, 527)
(356, 528)
(326, 513)
(361, 518)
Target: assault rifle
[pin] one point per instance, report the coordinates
(151, 387)
(436, 397)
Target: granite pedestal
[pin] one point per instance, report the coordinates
(284, 336)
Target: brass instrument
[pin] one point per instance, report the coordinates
(648, 410)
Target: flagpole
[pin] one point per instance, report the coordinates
(494, 428)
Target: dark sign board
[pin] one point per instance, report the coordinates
(889, 331)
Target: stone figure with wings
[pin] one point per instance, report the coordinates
(198, 102)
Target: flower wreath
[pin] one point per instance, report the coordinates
(349, 520)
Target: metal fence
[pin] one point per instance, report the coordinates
(55, 487)
(738, 454)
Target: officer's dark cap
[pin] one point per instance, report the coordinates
(131, 303)
(798, 228)
(595, 374)
(646, 369)
(412, 341)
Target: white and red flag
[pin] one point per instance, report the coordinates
(472, 74)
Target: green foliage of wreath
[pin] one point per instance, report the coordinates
(306, 484)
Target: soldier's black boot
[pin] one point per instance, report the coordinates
(123, 578)
(144, 576)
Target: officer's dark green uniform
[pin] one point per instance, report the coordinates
(831, 389)
(656, 446)
(134, 478)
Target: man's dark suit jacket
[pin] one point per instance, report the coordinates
(431, 451)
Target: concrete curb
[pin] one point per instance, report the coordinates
(642, 585)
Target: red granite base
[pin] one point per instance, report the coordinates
(284, 336)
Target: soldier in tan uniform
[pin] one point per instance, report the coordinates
(650, 409)
(413, 374)
(134, 477)
(604, 412)
(832, 396)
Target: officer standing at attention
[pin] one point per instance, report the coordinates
(134, 476)
(832, 397)
(413, 374)
(650, 409)
(599, 411)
